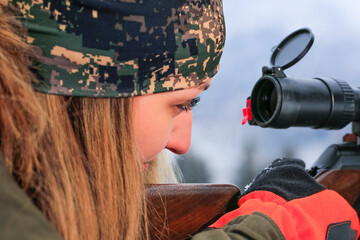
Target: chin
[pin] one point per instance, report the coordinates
(145, 166)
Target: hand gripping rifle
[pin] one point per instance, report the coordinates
(278, 101)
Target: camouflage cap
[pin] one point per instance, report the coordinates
(121, 48)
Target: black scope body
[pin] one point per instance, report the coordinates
(282, 102)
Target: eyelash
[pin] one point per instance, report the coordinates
(191, 105)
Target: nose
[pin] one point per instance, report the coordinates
(180, 136)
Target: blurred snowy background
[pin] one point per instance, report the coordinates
(223, 150)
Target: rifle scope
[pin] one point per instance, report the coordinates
(278, 101)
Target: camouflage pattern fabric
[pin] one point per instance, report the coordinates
(122, 48)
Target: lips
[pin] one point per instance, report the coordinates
(172, 150)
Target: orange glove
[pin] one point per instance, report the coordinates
(298, 205)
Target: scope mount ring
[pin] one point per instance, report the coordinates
(292, 48)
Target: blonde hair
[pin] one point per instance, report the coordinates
(163, 170)
(74, 157)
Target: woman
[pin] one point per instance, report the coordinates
(114, 85)
(78, 144)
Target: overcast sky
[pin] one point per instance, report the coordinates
(253, 28)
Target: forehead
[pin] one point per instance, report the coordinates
(172, 97)
(188, 93)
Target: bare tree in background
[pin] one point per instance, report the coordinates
(193, 169)
(289, 152)
(247, 167)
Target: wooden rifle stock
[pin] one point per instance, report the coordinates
(176, 211)
(346, 182)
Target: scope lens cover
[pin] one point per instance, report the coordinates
(292, 49)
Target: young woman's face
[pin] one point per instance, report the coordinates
(164, 120)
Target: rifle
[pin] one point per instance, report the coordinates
(277, 101)
(177, 211)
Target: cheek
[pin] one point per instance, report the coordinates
(151, 132)
(151, 139)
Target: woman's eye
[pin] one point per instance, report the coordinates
(189, 106)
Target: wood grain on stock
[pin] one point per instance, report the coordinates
(184, 209)
(345, 182)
